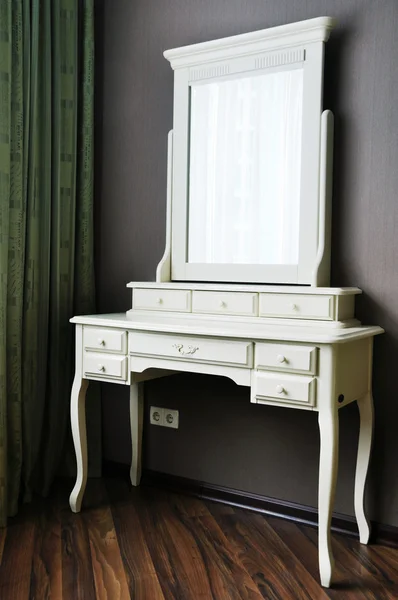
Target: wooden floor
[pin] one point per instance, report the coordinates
(152, 545)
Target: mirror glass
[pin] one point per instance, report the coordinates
(244, 169)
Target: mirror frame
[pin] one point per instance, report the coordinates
(276, 49)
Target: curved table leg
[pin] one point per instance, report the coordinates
(78, 422)
(365, 406)
(136, 424)
(329, 432)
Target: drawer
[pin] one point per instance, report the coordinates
(285, 390)
(105, 340)
(160, 299)
(286, 357)
(106, 366)
(297, 306)
(195, 349)
(239, 303)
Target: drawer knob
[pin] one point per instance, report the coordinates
(159, 300)
(101, 368)
(223, 304)
(280, 389)
(101, 342)
(280, 358)
(294, 307)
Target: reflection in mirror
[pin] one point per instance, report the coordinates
(244, 173)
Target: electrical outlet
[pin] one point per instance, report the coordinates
(170, 418)
(165, 417)
(156, 415)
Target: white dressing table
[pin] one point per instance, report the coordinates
(296, 345)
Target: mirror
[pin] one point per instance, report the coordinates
(244, 173)
(251, 158)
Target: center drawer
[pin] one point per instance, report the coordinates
(290, 358)
(196, 349)
(231, 303)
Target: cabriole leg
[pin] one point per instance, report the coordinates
(329, 432)
(78, 423)
(365, 406)
(136, 424)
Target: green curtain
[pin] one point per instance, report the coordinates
(46, 231)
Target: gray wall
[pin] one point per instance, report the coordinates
(222, 438)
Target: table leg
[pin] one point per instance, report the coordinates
(329, 432)
(136, 424)
(365, 406)
(78, 423)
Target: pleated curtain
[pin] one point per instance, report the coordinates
(46, 231)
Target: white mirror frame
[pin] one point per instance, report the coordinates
(297, 44)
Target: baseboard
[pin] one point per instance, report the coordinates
(298, 513)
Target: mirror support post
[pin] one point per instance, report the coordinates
(163, 271)
(322, 265)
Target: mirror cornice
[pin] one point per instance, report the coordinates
(274, 38)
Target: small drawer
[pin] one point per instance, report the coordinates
(285, 390)
(285, 357)
(195, 349)
(239, 303)
(105, 340)
(105, 366)
(297, 306)
(160, 299)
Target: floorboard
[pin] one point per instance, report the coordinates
(3, 535)
(46, 574)
(143, 581)
(274, 568)
(17, 560)
(108, 569)
(349, 582)
(149, 544)
(77, 570)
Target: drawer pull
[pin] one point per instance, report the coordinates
(190, 350)
(280, 389)
(280, 358)
(294, 307)
(101, 342)
(101, 368)
(223, 304)
(159, 300)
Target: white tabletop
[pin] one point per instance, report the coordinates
(194, 325)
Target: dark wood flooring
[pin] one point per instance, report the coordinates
(149, 544)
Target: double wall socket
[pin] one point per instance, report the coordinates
(164, 416)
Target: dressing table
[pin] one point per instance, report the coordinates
(243, 290)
